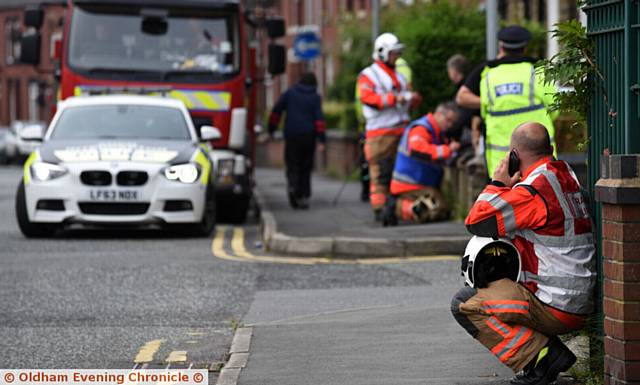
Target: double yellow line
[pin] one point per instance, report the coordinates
(146, 355)
(239, 253)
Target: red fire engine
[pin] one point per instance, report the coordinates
(197, 51)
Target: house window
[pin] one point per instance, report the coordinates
(12, 35)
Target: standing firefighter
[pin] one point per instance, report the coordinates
(386, 99)
(417, 174)
(536, 201)
(304, 125)
(509, 91)
(403, 68)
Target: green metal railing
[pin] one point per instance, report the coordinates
(613, 120)
(614, 26)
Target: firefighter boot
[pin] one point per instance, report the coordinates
(553, 359)
(389, 214)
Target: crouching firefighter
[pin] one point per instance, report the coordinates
(415, 184)
(535, 201)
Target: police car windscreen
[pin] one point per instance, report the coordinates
(121, 122)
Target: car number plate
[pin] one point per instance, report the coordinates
(113, 195)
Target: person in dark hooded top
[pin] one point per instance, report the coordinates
(303, 126)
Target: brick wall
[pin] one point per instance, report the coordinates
(618, 191)
(340, 160)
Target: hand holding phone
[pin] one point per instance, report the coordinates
(514, 163)
(507, 172)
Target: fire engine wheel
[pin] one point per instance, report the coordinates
(28, 228)
(234, 209)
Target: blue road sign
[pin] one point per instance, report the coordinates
(307, 46)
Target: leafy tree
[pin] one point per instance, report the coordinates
(437, 30)
(573, 68)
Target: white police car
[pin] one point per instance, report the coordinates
(119, 160)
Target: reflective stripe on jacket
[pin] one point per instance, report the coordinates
(421, 145)
(512, 94)
(379, 87)
(547, 216)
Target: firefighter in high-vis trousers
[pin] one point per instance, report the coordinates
(403, 68)
(542, 210)
(362, 160)
(417, 174)
(509, 91)
(386, 99)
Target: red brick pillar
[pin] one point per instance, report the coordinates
(619, 193)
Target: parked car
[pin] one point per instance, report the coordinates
(8, 150)
(120, 161)
(28, 136)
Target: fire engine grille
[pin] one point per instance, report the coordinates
(200, 121)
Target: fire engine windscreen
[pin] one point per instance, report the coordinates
(118, 41)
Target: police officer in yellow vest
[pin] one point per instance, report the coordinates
(509, 91)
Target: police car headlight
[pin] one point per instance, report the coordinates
(225, 167)
(42, 171)
(185, 173)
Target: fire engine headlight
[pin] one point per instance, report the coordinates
(185, 173)
(42, 171)
(225, 167)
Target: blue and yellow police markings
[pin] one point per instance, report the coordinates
(230, 244)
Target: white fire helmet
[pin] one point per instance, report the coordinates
(384, 44)
(487, 259)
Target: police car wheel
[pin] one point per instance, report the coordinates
(205, 227)
(208, 222)
(28, 228)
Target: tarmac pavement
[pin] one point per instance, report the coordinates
(395, 335)
(338, 224)
(364, 336)
(359, 336)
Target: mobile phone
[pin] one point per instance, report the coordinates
(514, 163)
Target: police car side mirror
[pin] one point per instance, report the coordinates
(208, 133)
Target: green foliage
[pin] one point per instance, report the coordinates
(340, 115)
(355, 55)
(437, 30)
(572, 68)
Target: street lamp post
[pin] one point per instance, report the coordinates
(375, 19)
(491, 9)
